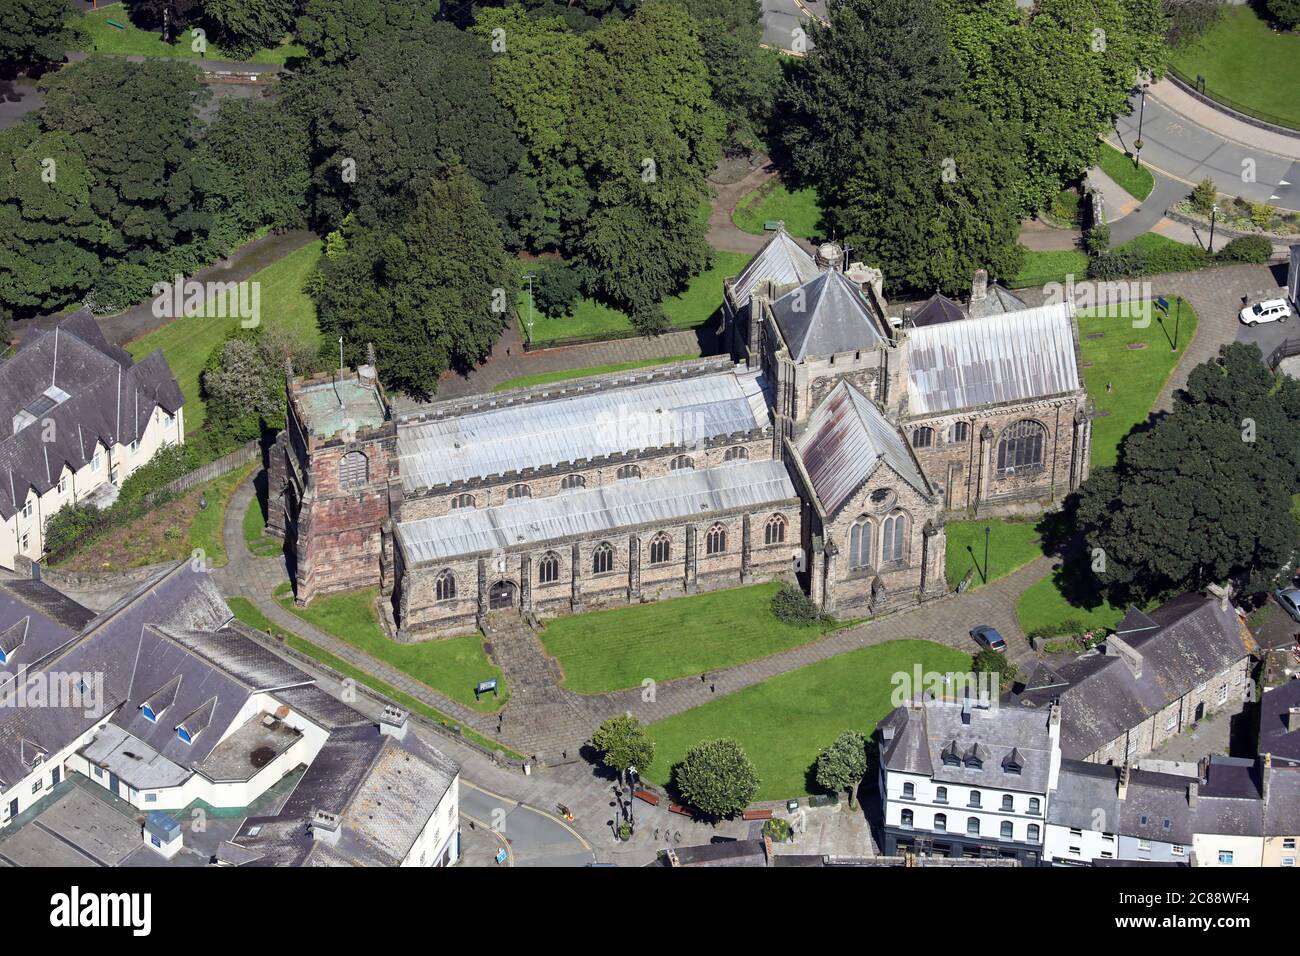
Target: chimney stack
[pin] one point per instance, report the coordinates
(829, 255)
(979, 287)
(1265, 772)
(1293, 718)
(1122, 791)
(1203, 769)
(1193, 789)
(1222, 592)
(325, 827)
(392, 722)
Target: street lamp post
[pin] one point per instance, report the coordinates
(987, 531)
(1142, 112)
(1214, 214)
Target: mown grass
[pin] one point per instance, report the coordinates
(1011, 545)
(97, 35)
(784, 722)
(1039, 268)
(1135, 376)
(452, 665)
(609, 650)
(695, 306)
(249, 613)
(187, 342)
(1137, 181)
(773, 201)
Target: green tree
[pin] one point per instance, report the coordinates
(843, 764)
(170, 18)
(431, 290)
(928, 205)
(411, 106)
(623, 743)
(1285, 12)
(717, 778)
(33, 33)
(244, 26)
(334, 31)
(989, 661)
(647, 136)
(257, 157)
(1204, 495)
(241, 390)
(875, 65)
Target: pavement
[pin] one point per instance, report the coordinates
(17, 98)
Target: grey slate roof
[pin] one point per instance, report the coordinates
(1276, 736)
(1230, 801)
(826, 316)
(997, 300)
(936, 310)
(781, 259)
(1183, 643)
(1083, 789)
(168, 629)
(382, 789)
(1012, 357)
(914, 740)
(666, 413)
(98, 396)
(846, 439)
(677, 495)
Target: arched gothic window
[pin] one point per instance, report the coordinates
(893, 538)
(861, 543)
(661, 548)
(715, 542)
(1021, 447)
(445, 585)
(354, 470)
(774, 530)
(602, 559)
(548, 569)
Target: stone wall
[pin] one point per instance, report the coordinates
(633, 579)
(964, 473)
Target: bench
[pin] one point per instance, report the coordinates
(647, 796)
(756, 815)
(678, 808)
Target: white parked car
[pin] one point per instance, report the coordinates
(1272, 310)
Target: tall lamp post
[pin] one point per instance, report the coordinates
(1142, 112)
(987, 532)
(1214, 214)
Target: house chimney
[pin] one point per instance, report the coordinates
(1116, 647)
(1293, 718)
(979, 286)
(966, 711)
(1265, 773)
(325, 827)
(1222, 592)
(1203, 769)
(1122, 791)
(1054, 715)
(1193, 789)
(392, 722)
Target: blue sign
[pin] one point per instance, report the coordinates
(484, 686)
(501, 855)
(1162, 304)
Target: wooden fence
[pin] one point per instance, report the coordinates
(205, 473)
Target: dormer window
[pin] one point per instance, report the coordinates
(193, 725)
(153, 706)
(1013, 763)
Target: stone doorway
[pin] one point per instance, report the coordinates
(502, 595)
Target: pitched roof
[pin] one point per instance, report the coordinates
(90, 390)
(826, 316)
(679, 494)
(997, 299)
(678, 407)
(1193, 640)
(1151, 800)
(781, 259)
(936, 310)
(846, 439)
(1278, 734)
(1012, 357)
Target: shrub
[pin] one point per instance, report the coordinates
(556, 290)
(1170, 257)
(167, 464)
(1246, 249)
(70, 525)
(1097, 239)
(1261, 214)
(1188, 19)
(1204, 195)
(791, 606)
(1114, 265)
(779, 830)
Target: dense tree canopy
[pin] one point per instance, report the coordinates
(33, 33)
(334, 31)
(1204, 495)
(243, 26)
(430, 291)
(717, 778)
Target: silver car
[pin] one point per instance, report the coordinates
(1289, 598)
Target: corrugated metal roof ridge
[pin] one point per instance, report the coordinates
(1017, 355)
(609, 507)
(838, 465)
(510, 439)
(780, 259)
